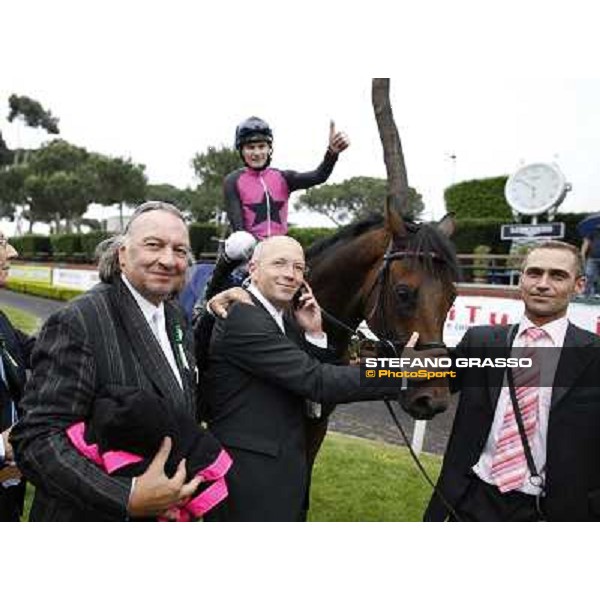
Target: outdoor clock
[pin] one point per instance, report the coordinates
(536, 188)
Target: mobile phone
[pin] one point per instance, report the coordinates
(297, 295)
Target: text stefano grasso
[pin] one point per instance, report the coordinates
(446, 363)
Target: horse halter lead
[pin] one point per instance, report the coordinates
(381, 282)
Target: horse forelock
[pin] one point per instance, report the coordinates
(430, 250)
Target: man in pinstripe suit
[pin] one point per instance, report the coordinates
(126, 332)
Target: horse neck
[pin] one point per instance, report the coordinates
(342, 280)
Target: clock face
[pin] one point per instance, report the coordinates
(535, 188)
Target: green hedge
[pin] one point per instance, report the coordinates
(471, 233)
(478, 199)
(65, 244)
(17, 244)
(200, 238)
(201, 234)
(32, 244)
(309, 235)
(89, 241)
(42, 289)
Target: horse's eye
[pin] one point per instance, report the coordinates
(404, 293)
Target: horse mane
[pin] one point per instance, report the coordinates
(422, 238)
(347, 233)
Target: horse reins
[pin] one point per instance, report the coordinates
(381, 281)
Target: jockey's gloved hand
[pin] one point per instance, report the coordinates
(239, 246)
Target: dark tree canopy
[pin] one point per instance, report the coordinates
(211, 168)
(118, 180)
(12, 190)
(32, 112)
(6, 154)
(165, 192)
(354, 199)
(59, 184)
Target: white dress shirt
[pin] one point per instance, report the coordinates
(155, 316)
(555, 338)
(320, 342)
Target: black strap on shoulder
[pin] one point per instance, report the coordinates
(535, 478)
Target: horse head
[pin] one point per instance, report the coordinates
(412, 288)
(398, 276)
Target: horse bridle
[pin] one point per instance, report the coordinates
(381, 282)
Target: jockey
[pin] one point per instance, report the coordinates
(256, 196)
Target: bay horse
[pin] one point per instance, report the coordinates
(397, 275)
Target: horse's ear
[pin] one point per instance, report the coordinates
(447, 225)
(393, 219)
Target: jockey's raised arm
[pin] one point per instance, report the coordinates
(257, 195)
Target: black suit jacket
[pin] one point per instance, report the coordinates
(99, 339)
(19, 345)
(256, 384)
(573, 440)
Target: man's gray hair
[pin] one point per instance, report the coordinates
(107, 251)
(150, 206)
(107, 256)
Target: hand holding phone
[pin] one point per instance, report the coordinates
(307, 311)
(296, 299)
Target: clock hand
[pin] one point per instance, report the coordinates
(525, 183)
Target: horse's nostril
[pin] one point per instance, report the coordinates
(423, 403)
(425, 406)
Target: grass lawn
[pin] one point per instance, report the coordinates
(363, 480)
(20, 319)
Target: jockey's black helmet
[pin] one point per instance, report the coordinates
(252, 130)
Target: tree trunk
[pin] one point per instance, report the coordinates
(392, 147)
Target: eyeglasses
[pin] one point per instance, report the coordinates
(299, 269)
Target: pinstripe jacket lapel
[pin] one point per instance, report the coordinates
(145, 345)
(174, 319)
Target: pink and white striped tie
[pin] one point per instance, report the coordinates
(509, 465)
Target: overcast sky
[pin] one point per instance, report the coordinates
(162, 82)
